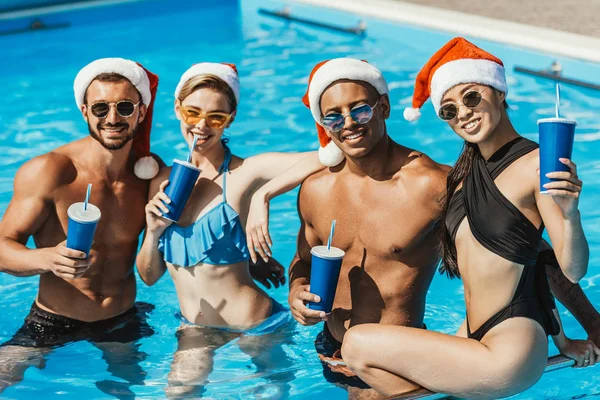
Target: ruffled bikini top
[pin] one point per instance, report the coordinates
(216, 238)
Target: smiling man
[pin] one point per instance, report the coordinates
(386, 199)
(85, 298)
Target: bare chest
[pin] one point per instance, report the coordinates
(385, 223)
(121, 204)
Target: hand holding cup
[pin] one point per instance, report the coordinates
(565, 188)
(298, 298)
(156, 208)
(64, 262)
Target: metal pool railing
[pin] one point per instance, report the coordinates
(554, 363)
(555, 73)
(286, 14)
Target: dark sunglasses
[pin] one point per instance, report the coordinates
(361, 114)
(471, 99)
(125, 108)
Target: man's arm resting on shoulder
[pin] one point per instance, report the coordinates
(571, 295)
(29, 207)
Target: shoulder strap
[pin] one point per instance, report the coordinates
(485, 204)
(508, 154)
(225, 167)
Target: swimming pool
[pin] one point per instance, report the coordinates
(37, 114)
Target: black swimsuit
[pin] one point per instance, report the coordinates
(501, 228)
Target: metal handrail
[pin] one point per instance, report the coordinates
(285, 14)
(554, 363)
(554, 73)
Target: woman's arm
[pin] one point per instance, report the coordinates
(257, 225)
(559, 211)
(150, 262)
(267, 166)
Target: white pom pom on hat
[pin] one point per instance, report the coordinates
(458, 61)
(323, 75)
(412, 114)
(146, 83)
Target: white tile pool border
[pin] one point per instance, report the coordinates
(543, 39)
(34, 12)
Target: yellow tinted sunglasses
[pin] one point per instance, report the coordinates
(214, 119)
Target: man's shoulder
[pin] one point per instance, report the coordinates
(425, 175)
(47, 170)
(318, 181)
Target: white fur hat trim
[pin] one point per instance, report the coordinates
(466, 70)
(223, 71)
(126, 68)
(342, 68)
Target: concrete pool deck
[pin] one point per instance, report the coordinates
(533, 26)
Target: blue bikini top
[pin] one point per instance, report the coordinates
(216, 238)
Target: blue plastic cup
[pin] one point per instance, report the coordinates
(182, 179)
(82, 226)
(556, 141)
(324, 275)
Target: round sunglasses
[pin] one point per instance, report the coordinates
(361, 114)
(214, 119)
(471, 99)
(125, 108)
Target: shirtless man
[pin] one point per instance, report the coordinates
(386, 200)
(83, 298)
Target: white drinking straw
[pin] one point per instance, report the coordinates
(557, 100)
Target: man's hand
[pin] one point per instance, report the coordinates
(584, 352)
(268, 273)
(64, 262)
(299, 296)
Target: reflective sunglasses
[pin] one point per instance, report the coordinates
(471, 99)
(214, 119)
(361, 114)
(125, 108)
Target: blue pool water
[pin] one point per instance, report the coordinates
(38, 113)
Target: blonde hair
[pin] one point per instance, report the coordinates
(208, 82)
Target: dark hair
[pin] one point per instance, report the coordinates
(458, 173)
(110, 77)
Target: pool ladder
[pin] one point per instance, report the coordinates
(360, 29)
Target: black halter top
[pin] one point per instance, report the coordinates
(496, 223)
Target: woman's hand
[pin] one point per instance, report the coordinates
(155, 209)
(566, 191)
(257, 228)
(584, 352)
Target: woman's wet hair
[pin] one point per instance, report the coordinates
(458, 173)
(208, 82)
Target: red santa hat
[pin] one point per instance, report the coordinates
(459, 61)
(146, 83)
(321, 77)
(226, 72)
